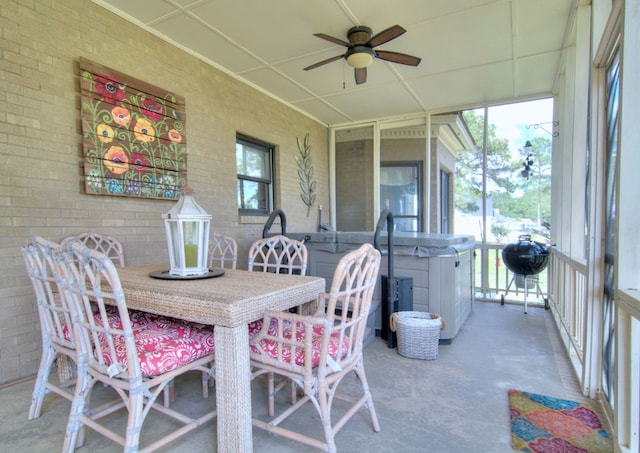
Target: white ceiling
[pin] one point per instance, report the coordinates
(473, 51)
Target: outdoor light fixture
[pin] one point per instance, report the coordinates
(187, 227)
(360, 56)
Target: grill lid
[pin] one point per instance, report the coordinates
(525, 257)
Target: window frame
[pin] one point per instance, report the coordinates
(269, 150)
(446, 179)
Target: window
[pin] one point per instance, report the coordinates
(254, 162)
(401, 193)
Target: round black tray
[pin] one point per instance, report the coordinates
(165, 275)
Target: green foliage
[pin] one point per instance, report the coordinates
(516, 197)
(500, 167)
(499, 231)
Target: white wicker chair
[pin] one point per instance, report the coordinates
(318, 351)
(278, 254)
(55, 322)
(282, 255)
(111, 351)
(111, 247)
(223, 251)
(108, 245)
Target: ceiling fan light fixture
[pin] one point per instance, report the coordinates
(360, 56)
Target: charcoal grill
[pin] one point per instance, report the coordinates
(525, 259)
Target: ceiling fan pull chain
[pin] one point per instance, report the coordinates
(344, 70)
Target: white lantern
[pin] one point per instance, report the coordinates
(187, 228)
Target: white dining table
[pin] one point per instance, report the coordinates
(228, 302)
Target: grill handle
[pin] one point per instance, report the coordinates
(385, 216)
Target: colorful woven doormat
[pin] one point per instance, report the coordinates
(543, 424)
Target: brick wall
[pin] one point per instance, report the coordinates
(40, 149)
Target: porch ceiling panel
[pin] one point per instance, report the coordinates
(532, 72)
(472, 50)
(475, 86)
(372, 103)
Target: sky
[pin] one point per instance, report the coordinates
(511, 121)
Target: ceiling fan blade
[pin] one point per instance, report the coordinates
(332, 39)
(323, 62)
(386, 35)
(361, 75)
(396, 57)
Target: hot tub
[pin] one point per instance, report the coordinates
(441, 266)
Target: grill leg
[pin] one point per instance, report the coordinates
(526, 293)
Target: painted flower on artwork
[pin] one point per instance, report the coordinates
(116, 160)
(175, 136)
(139, 161)
(114, 186)
(168, 182)
(121, 116)
(110, 90)
(152, 109)
(94, 179)
(104, 133)
(144, 131)
(132, 186)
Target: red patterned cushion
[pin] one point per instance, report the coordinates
(163, 346)
(270, 347)
(138, 319)
(255, 327)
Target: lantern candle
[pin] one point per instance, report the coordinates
(190, 255)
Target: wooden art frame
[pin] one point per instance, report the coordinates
(134, 135)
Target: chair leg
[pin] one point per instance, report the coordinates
(168, 394)
(75, 428)
(294, 392)
(359, 370)
(211, 374)
(325, 417)
(135, 419)
(40, 387)
(206, 381)
(271, 392)
(166, 402)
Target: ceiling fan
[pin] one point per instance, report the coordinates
(360, 50)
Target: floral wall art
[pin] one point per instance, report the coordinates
(134, 135)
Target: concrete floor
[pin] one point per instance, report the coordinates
(455, 403)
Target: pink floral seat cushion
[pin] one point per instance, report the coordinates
(163, 346)
(138, 319)
(270, 346)
(255, 327)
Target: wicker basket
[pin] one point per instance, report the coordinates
(418, 333)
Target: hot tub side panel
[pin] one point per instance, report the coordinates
(442, 281)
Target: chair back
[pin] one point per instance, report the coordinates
(347, 304)
(223, 251)
(93, 288)
(53, 309)
(278, 254)
(108, 245)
